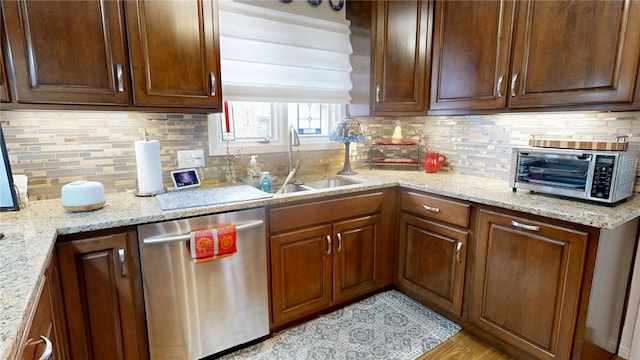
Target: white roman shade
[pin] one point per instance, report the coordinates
(278, 56)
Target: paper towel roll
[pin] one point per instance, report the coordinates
(149, 167)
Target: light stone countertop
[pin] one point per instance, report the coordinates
(31, 232)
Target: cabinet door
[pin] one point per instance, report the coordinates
(354, 260)
(44, 322)
(401, 57)
(575, 52)
(471, 48)
(300, 272)
(103, 297)
(432, 261)
(173, 47)
(527, 278)
(4, 81)
(67, 52)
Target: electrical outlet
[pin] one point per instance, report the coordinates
(190, 158)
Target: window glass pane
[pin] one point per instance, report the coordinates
(252, 120)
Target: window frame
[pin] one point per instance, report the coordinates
(278, 143)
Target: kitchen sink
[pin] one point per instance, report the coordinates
(329, 183)
(316, 185)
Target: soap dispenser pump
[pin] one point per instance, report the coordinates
(253, 170)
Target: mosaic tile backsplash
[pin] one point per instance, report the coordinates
(54, 148)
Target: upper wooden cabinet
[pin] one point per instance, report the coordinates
(174, 53)
(401, 53)
(68, 52)
(163, 55)
(535, 54)
(569, 52)
(5, 95)
(471, 48)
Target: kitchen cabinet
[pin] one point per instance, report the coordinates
(68, 52)
(495, 55)
(174, 53)
(433, 236)
(45, 328)
(329, 252)
(142, 55)
(5, 95)
(401, 57)
(102, 292)
(528, 277)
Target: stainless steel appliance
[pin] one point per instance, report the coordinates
(601, 176)
(196, 310)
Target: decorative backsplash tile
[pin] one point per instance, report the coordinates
(480, 145)
(54, 148)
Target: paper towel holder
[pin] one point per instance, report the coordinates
(147, 194)
(138, 192)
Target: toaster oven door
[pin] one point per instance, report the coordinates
(562, 173)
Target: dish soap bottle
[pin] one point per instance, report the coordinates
(253, 170)
(265, 183)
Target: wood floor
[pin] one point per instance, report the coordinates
(464, 346)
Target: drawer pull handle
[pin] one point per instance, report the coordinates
(431, 208)
(525, 226)
(48, 347)
(328, 245)
(119, 76)
(458, 249)
(377, 93)
(514, 78)
(339, 243)
(123, 265)
(213, 83)
(500, 80)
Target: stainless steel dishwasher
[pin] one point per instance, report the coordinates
(197, 310)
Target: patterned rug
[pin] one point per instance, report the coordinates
(388, 325)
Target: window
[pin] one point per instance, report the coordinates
(261, 127)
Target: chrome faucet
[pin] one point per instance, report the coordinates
(294, 140)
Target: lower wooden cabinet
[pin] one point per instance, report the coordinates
(433, 236)
(527, 281)
(102, 292)
(339, 249)
(45, 330)
(432, 261)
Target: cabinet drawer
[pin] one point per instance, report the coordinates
(320, 212)
(452, 212)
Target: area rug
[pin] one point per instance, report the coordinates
(388, 325)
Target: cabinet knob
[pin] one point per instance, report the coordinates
(123, 265)
(212, 77)
(328, 245)
(119, 76)
(458, 249)
(48, 347)
(524, 226)
(431, 208)
(514, 78)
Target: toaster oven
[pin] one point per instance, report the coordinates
(600, 176)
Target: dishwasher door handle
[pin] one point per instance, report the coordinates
(183, 237)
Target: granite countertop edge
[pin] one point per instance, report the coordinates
(30, 233)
